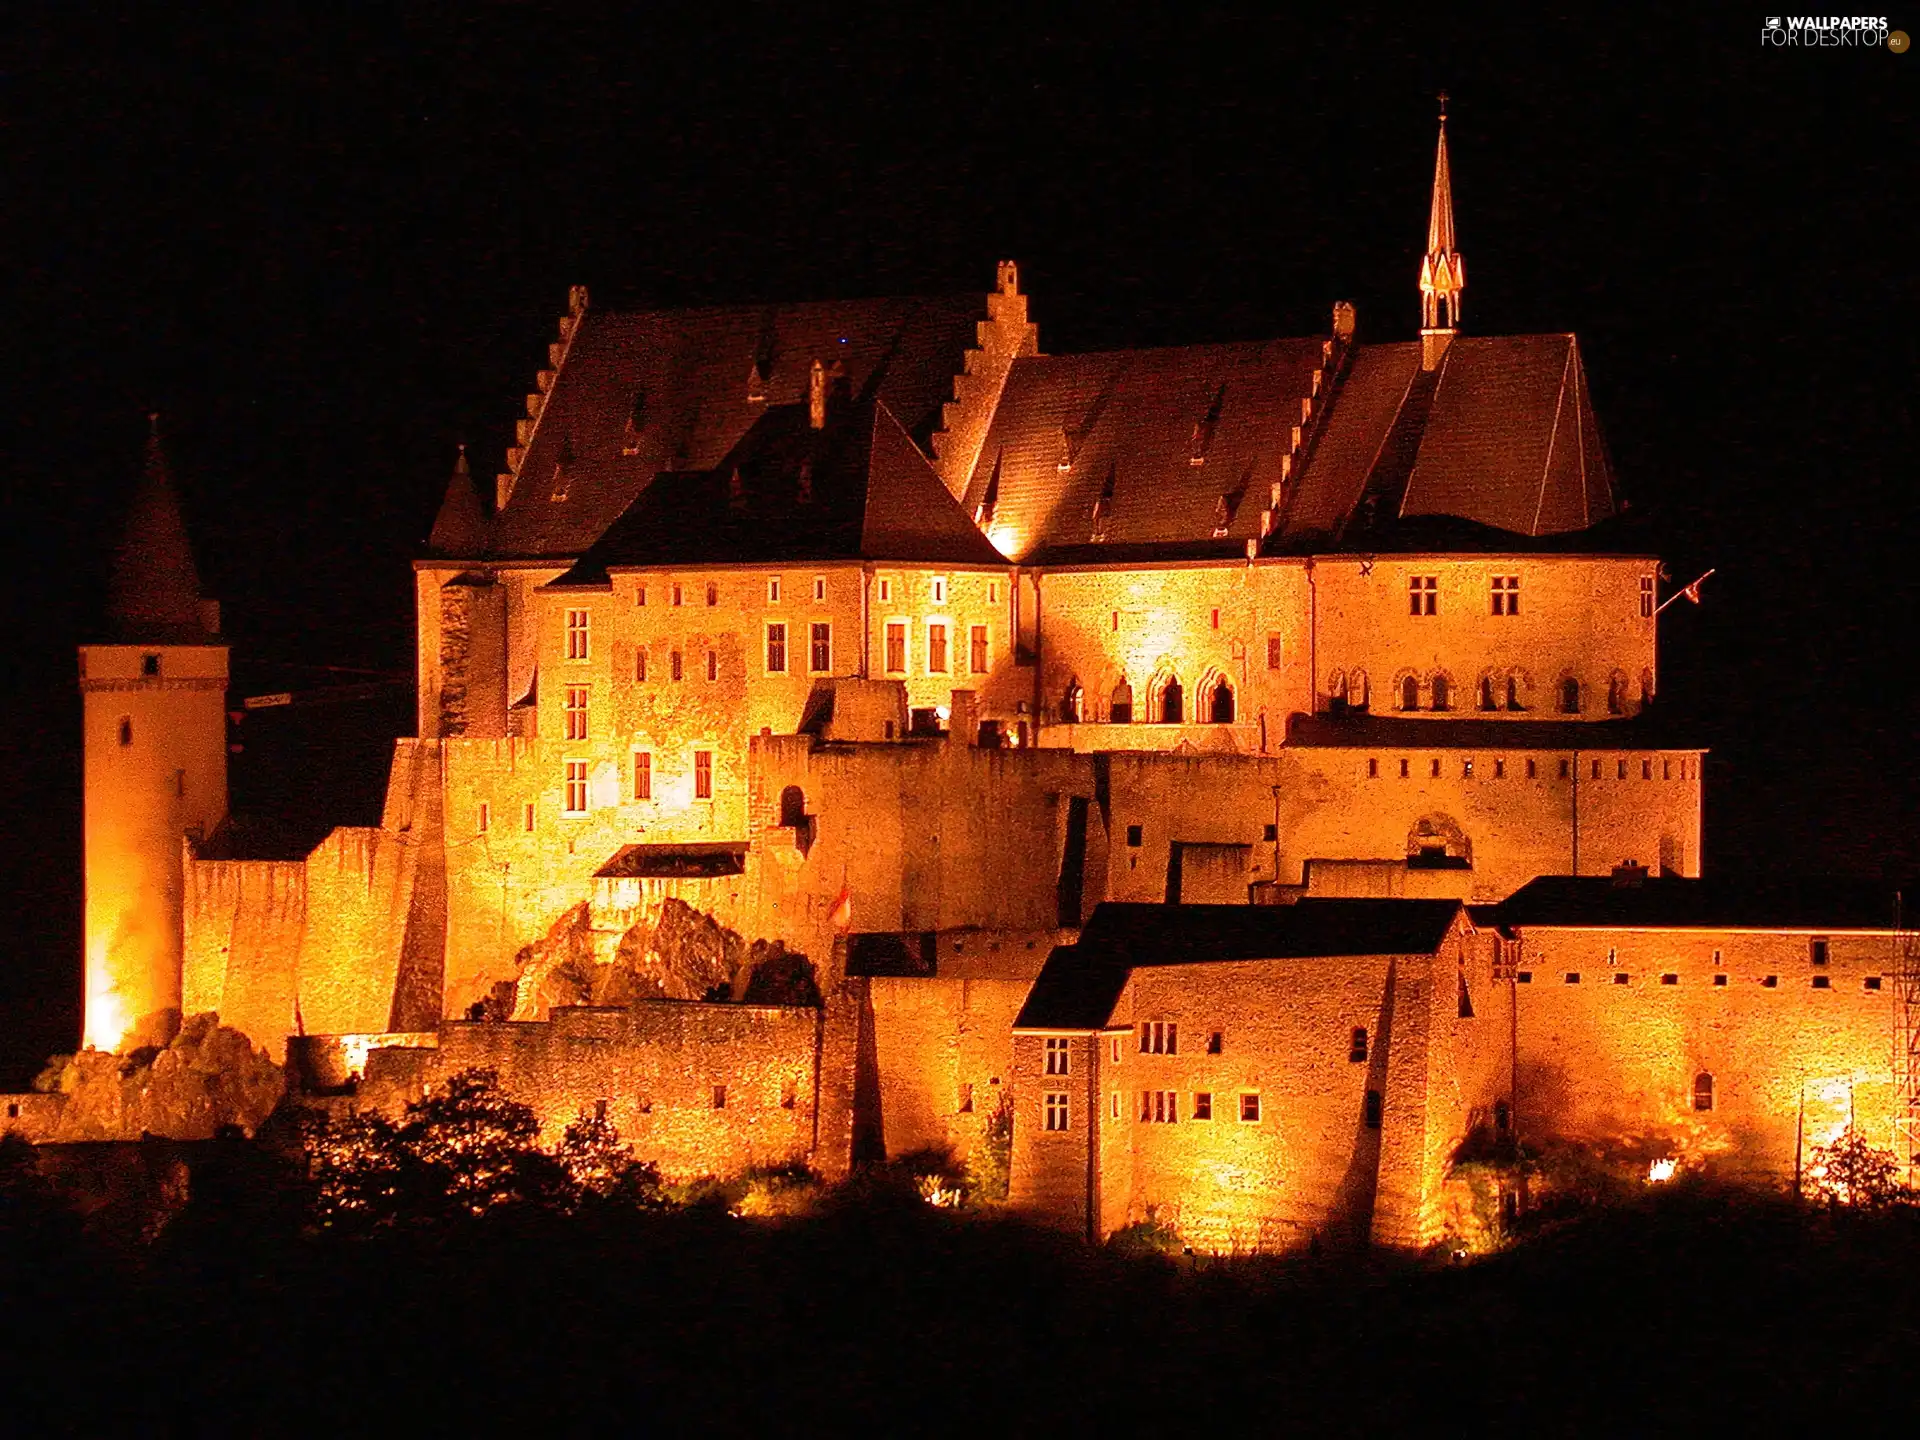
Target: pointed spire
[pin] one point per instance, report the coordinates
(1443, 273)
(153, 592)
(460, 529)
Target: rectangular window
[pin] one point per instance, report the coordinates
(1357, 1047)
(1433, 769)
(576, 635)
(1057, 1116)
(1646, 769)
(1872, 982)
(713, 664)
(576, 788)
(939, 590)
(773, 590)
(1059, 1057)
(819, 587)
(1823, 982)
(1250, 1107)
(529, 819)
(936, 649)
(1160, 1037)
(1203, 1105)
(640, 664)
(1565, 769)
(642, 775)
(1669, 979)
(977, 649)
(703, 774)
(1135, 836)
(673, 664)
(993, 592)
(1403, 769)
(1533, 770)
(1573, 977)
(149, 664)
(719, 1097)
(966, 1097)
(1499, 769)
(1770, 982)
(713, 594)
(1216, 1041)
(1720, 980)
(1506, 594)
(1423, 595)
(1818, 949)
(820, 647)
(1620, 977)
(1216, 619)
(1646, 596)
(1113, 1050)
(886, 591)
(1160, 1107)
(896, 647)
(576, 712)
(777, 648)
(486, 819)
(1373, 769)
(679, 595)
(1274, 652)
(640, 595)
(1372, 1111)
(1113, 1105)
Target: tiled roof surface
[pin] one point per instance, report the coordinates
(683, 376)
(857, 489)
(1671, 902)
(153, 589)
(1080, 983)
(1128, 424)
(1364, 404)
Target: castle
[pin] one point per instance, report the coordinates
(846, 727)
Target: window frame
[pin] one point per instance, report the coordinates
(1249, 1107)
(579, 636)
(814, 650)
(1056, 1056)
(576, 785)
(940, 648)
(1423, 595)
(979, 649)
(1056, 1112)
(900, 627)
(643, 775)
(703, 774)
(1160, 1037)
(574, 706)
(776, 647)
(1504, 594)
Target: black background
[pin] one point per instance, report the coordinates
(327, 248)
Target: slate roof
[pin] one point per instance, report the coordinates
(1128, 423)
(1080, 983)
(682, 379)
(858, 489)
(153, 588)
(461, 526)
(1664, 902)
(1391, 732)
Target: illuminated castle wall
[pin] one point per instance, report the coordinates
(868, 631)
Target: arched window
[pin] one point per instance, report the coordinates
(1337, 691)
(1569, 696)
(793, 807)
(1703, 1091)
(1173, 702)
(1072, 704)
(1357, 689)
(1120, 707)
(1410, 693)
(1486, 693)
(1646, 688)
(1513, 693)
(1441, 695)
(1616, 694)
(1220, 703)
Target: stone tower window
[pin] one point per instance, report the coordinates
(1220, 703)
(703, 774)
(793, 807)
(640, 664)
(642, 775)
(1120, 704)
(674, 666)
(574, 800)
(1059, 1058)
(149, 664)
(1646, 597)
(576, 712)
(1569, 696)
(1703, 1091)
(1410, 693)
(126, 730)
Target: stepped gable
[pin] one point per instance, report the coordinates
(636, 394)
(857, 489)
(153, 588)
(1080, 983)
(1128, 425)
(1508, 441)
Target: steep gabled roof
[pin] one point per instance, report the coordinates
(1125, 427)
(1080, 983)
(153, 589)
(643, 393)
(858, 489)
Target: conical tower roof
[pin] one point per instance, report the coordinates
(153, 592)
(460, 529)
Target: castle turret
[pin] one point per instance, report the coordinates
(155, 754)
(1443, 273)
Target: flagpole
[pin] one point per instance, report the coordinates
(1692, 592)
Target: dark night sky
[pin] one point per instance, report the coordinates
(328, 248)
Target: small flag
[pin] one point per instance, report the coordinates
(842, 917)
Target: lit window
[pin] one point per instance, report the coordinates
(1357, 1047)
(1646, 596)
(642, 775)
(1160, 1037)
(1203, 1105)
(777, 648)
(713, 593)
(977, 649)
(936, 649)
(1703, 1091)
(896, 647)
(1250, 1107)
(820, 648)
(1057, 1115)
(1506, 594)
(1466, 769)
(773, 590)
(576, 712)
(819, 588)
(713, 664)
(1160, 1107)
(1059, 1057)
(1423, 595)
(576, 788)
(576, 635)
(703, 774)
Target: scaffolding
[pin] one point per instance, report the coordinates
(1906, 1043)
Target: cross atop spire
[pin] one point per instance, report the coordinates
(1443, 273)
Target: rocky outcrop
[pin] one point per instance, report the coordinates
(208, 1077)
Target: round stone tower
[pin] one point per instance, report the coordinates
(154, 710)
